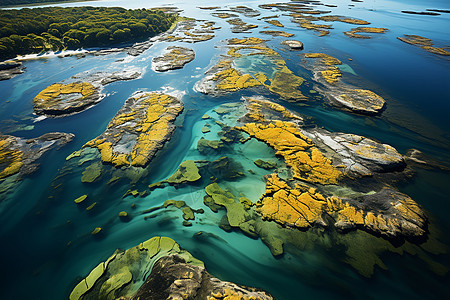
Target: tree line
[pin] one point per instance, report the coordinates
(19, 2)
(36, 30)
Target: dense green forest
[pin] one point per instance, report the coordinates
(20, 2)
(35, 30)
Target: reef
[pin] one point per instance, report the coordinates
(19, 156)
(10, 69)
(140, 128)
(424, 43)
(158, 269)
(354, 33)
(226, 77)
(174, 58)
(63, 99)
(341, 94)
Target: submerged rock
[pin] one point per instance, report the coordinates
(187, 172)
(141, 127)
(19, 156)
(156, 269)
(174, 58)
(265, 164)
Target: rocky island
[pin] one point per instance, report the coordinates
(140, 128)
(63, 99)
(174, 58)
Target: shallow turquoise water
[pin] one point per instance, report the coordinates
(34, 228)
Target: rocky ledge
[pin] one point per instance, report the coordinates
(158, 269)
(338, 93)
(63, 99)
(19, 156)
(174, 58)
(9, 69)
(140, 128)
(225, 77)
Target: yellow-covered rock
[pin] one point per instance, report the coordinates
(306, 161)
(139, 130)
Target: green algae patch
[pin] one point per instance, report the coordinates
(177, 204)
(80, 199)
(236, 213)
(92, 172)
(97, 230)
(188, 213)
(90, 207)
(187, 172)
(268, 165)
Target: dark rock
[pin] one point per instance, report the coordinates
(173, 278)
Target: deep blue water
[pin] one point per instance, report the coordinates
(38, 263)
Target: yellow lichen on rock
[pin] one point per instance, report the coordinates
(275, 23)
(255, 109)
(232, 80)
(145, 120)
(326, 59)
(10, 158)
(54, 97)
(290, 206)
(371, 101)
(331, 75)
(306, 161)
(354, 32)
(245, 41)
(282, 81)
